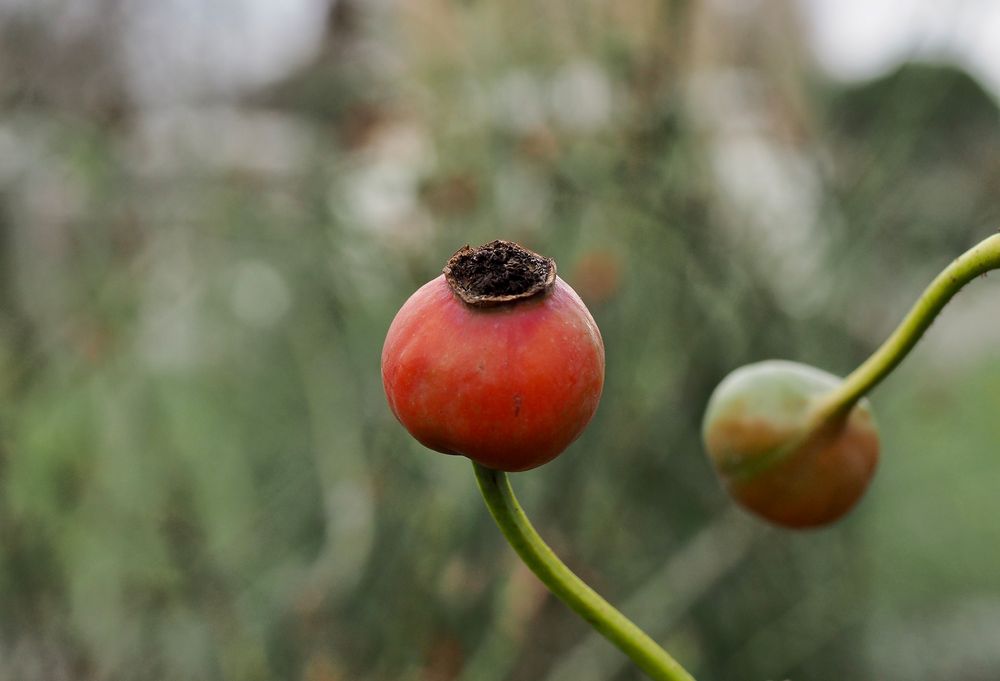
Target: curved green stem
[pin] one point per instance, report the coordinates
(586, 602)
(982, 258)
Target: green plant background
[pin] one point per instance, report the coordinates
(199, 478)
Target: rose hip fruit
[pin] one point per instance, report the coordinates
(778, 454)
(497, 359)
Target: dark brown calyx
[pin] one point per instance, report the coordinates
(498, 272)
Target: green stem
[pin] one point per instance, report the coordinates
(586, 602)
(981, 258)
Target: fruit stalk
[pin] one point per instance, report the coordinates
(979, 259)
(574, 592)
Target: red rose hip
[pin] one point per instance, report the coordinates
(497, 359)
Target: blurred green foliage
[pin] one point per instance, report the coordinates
(200, 478)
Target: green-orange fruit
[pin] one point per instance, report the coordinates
(778, 454)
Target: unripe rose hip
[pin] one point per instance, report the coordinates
(778, 454)
(497, 359)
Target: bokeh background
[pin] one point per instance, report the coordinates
(210, 211)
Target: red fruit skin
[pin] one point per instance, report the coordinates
(509, 386)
